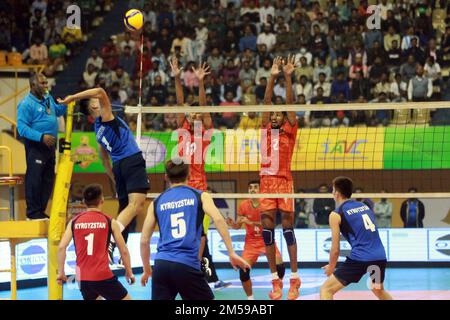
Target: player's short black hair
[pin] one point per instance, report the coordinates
(254, 182)
(92, 194)
(344, 186)
(177, 170)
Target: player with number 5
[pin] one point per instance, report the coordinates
(91, 231)
(356, 221)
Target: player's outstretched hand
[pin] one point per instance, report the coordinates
(130, 278)
(144, 278)
(327, 270)
(277, 62)
(61, 279)
(176, 70)
(66, 100)
(202, 71)
(237, 261)
(289, 65)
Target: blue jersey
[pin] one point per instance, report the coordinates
(116, 138)
(179, 213)
(359, 229)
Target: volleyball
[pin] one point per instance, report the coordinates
(134, 20)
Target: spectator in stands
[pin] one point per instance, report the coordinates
(264, 72)
(340, 85)
(356, 52)
(73, 38)
(121, 77)
(390, 37)
(267, 37)
(432, 70)
(232, 86)
(118, 96)
(158, 90)
(412, 212)
(40, 5)
(407, 39)
(366, 201)
(408, 69)
(318, 44)
(157, 72)
(201, 37)
(360, 86)
(37, 123)
(398, 89)
(247, 77)
(420, 88)
(164, 41)
(250, 121)
(416, 51)
(358, 66)
(260, 89)
(56, 53)
(305, 88)
(340, 67)
(110, 54)
(230, 70)
(147, 63)
(394, 57)
(90, 76)
(383, 212)
(39, 18)
(280, 88)
(377, 51)
(38, 53)
(51, 32)
(265, 10)
(320, 118)
(381, 117)
(372, 36)
(127, 60)
(322, 208)
(95, 60)
(105, 74)
(304, 70)
(228, 119)
(248, 40)
(127, 41)
(321, 67)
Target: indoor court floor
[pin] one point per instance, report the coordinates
(402, 283)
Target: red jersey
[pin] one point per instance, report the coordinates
(195, 147)
(253, 232)
(91, 235)
(277, 150)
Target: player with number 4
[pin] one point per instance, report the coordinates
(355, 220)
(278, 135)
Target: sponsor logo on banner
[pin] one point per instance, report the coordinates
(442, 245)
(71, 257)
(345, 247)
(33, 259)
(238, 241)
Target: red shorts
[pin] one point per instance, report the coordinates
(197, 184)
(252, 251)
(274, 184)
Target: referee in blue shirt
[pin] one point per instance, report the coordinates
(37, 123)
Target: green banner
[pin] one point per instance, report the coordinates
(417, 148)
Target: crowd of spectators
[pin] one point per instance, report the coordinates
(38, 30)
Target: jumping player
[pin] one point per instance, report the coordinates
(194, 139)
(356, 221)
(116, 141)
(276, 177)
(249, 214)
(179, 212)
(91, 231)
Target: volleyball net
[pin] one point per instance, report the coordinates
(388, 149)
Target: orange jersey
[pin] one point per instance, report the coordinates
(277, 150)
(195, 149)
(253, 232)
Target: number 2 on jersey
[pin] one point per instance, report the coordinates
(178, 225)
(368, 224)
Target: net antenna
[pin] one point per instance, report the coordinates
(139, 116)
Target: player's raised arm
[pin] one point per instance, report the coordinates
(176, 71)
(67, 237)
(105, 158)
(277, 62)
(288, 69)
(221, 226)
(147, 232)
(201, 73)
(124, 253)
(95, 93)
(335, 221)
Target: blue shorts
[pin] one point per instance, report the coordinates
(130, 176)
(352, 271)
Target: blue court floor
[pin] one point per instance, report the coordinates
(414, 284)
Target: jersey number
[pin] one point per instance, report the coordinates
(108, 147)
(178, 225)
(90, 248)
(276, 144)
(368, 224)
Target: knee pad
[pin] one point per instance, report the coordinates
(281, 269)
(268, 236)
(244, 275)
(289, 235)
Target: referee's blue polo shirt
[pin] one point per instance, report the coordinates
(38, 117)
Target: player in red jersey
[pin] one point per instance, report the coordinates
(249, 214)
(277, 142)
(195, 133)
(91, 232)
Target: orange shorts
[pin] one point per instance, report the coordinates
(274, 184)
(252, 251)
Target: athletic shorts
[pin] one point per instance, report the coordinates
(274, 184)
(171, 278)
(352, 271)
(253, 251)
(110, 289)
(130, 176)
